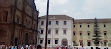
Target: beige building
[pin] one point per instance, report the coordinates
(83, 30)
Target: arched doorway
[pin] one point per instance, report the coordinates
(26, 38)
(3, 35)
(64, 42)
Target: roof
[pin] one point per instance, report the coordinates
(56, 17)
(91, 20)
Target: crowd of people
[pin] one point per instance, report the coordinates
(40, 47)
(20, 47)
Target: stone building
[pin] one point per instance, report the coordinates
(83, 30)
(18, 22)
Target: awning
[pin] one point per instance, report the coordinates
(80, 40)
(88, 31)
(73, 31)
(89, 40)
(80, 31)
(105, 31)
(105, 41)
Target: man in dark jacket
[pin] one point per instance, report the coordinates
(39, 47)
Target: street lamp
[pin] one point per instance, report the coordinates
(47, 24)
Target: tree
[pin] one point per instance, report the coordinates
(97, 33)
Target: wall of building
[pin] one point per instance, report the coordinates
(60, 34)
(85, 30)
(18, 18)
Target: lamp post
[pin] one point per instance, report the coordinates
(47, 24)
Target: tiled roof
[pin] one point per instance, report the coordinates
(91, 20)
(56, 17)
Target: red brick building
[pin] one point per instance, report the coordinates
(18, 22)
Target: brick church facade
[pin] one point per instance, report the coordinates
(18, 22)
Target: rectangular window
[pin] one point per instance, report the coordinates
(88, 34)
(80, 26)
(64, 31)
(88, 26)
(42, 22)
(49, 31)
(49, 22)
(80, 34)
(105, 43)
(18, 20)
(42, 31)
(74, 26)
(74, 43)
(104, 34)
(81, 43)
(57, 22)
(104, 25)
(74, 34)
(56, 41)
(48, 41)
(89, 43)
(6, 15)
(41, 41)
(56, 31)
(65, 22)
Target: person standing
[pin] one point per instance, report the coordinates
(82, 47)
(39, 47)
(59, 47)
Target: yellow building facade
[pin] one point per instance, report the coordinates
(83, 30)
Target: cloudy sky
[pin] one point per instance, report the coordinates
(78, 9)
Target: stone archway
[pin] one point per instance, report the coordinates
(3, 35)
(64, 42)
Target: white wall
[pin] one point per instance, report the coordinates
(60, 36)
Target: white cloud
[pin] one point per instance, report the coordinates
(91, 5)
(77, 14)
(59, 2)
(75, 8)
(64, 11)
(42, 4)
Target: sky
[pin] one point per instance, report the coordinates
(78, 9)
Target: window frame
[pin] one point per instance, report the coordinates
(64, 31)
(42, 22)
(74, 34)
(56, 42)
(105, 34)
(48, 41)
(104, 25)
(88, 26)
(88, 34)
(49, 22)
(80, 26)
(57, 22)
(65, 22)
(56, 31)
(49, 32)
(74, 26)
(41, 40)
(80, 34)
(105, 43)
(42, 31)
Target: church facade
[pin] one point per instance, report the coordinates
(18, 22)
